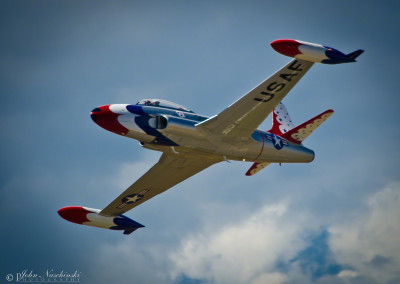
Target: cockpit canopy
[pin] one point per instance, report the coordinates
(163, 104)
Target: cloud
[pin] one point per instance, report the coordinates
(279, 244)
(369, 239)
(380, 261)
(347, 274)
(243, 252)
(271, 278)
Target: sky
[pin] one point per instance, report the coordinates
(334, 220)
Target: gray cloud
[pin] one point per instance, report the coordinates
(380, 261)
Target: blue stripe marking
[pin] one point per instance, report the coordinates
(135, 109)
(126, 222)
(143, 123)
(336, 57)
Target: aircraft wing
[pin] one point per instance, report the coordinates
(170, 170)
(243, 117)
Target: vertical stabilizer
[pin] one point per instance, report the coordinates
(281, 122)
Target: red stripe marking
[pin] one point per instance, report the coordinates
(262, 148)
(288, 47)
(74, 214)
(108, 120)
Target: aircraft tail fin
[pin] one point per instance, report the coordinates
(281, 122)
(355, 54)
(283, 126)
(299, 133)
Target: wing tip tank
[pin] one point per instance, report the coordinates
(313, 52)
(92, 217)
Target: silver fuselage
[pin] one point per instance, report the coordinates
(171, 130)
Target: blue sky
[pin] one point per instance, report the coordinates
(332, 221)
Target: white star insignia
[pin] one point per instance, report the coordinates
(277, 141)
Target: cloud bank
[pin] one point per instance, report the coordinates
(277, 245)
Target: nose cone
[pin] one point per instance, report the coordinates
(74, 214)
(108, 120)
(288, 47)
(93, 113)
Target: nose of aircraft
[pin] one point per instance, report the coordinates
(108, 120)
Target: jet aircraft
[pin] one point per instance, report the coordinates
(191, 142)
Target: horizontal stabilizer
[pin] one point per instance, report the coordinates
(301, 132)
(255, 168)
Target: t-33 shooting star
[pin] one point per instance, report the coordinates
(190, 142)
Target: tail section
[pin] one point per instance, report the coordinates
(301, 132)
(283, 126)
(281, 122)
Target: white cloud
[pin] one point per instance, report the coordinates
(248, 250)
(369, 240)
(347, 274)
(242, 252)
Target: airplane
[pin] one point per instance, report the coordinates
(191, 142)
